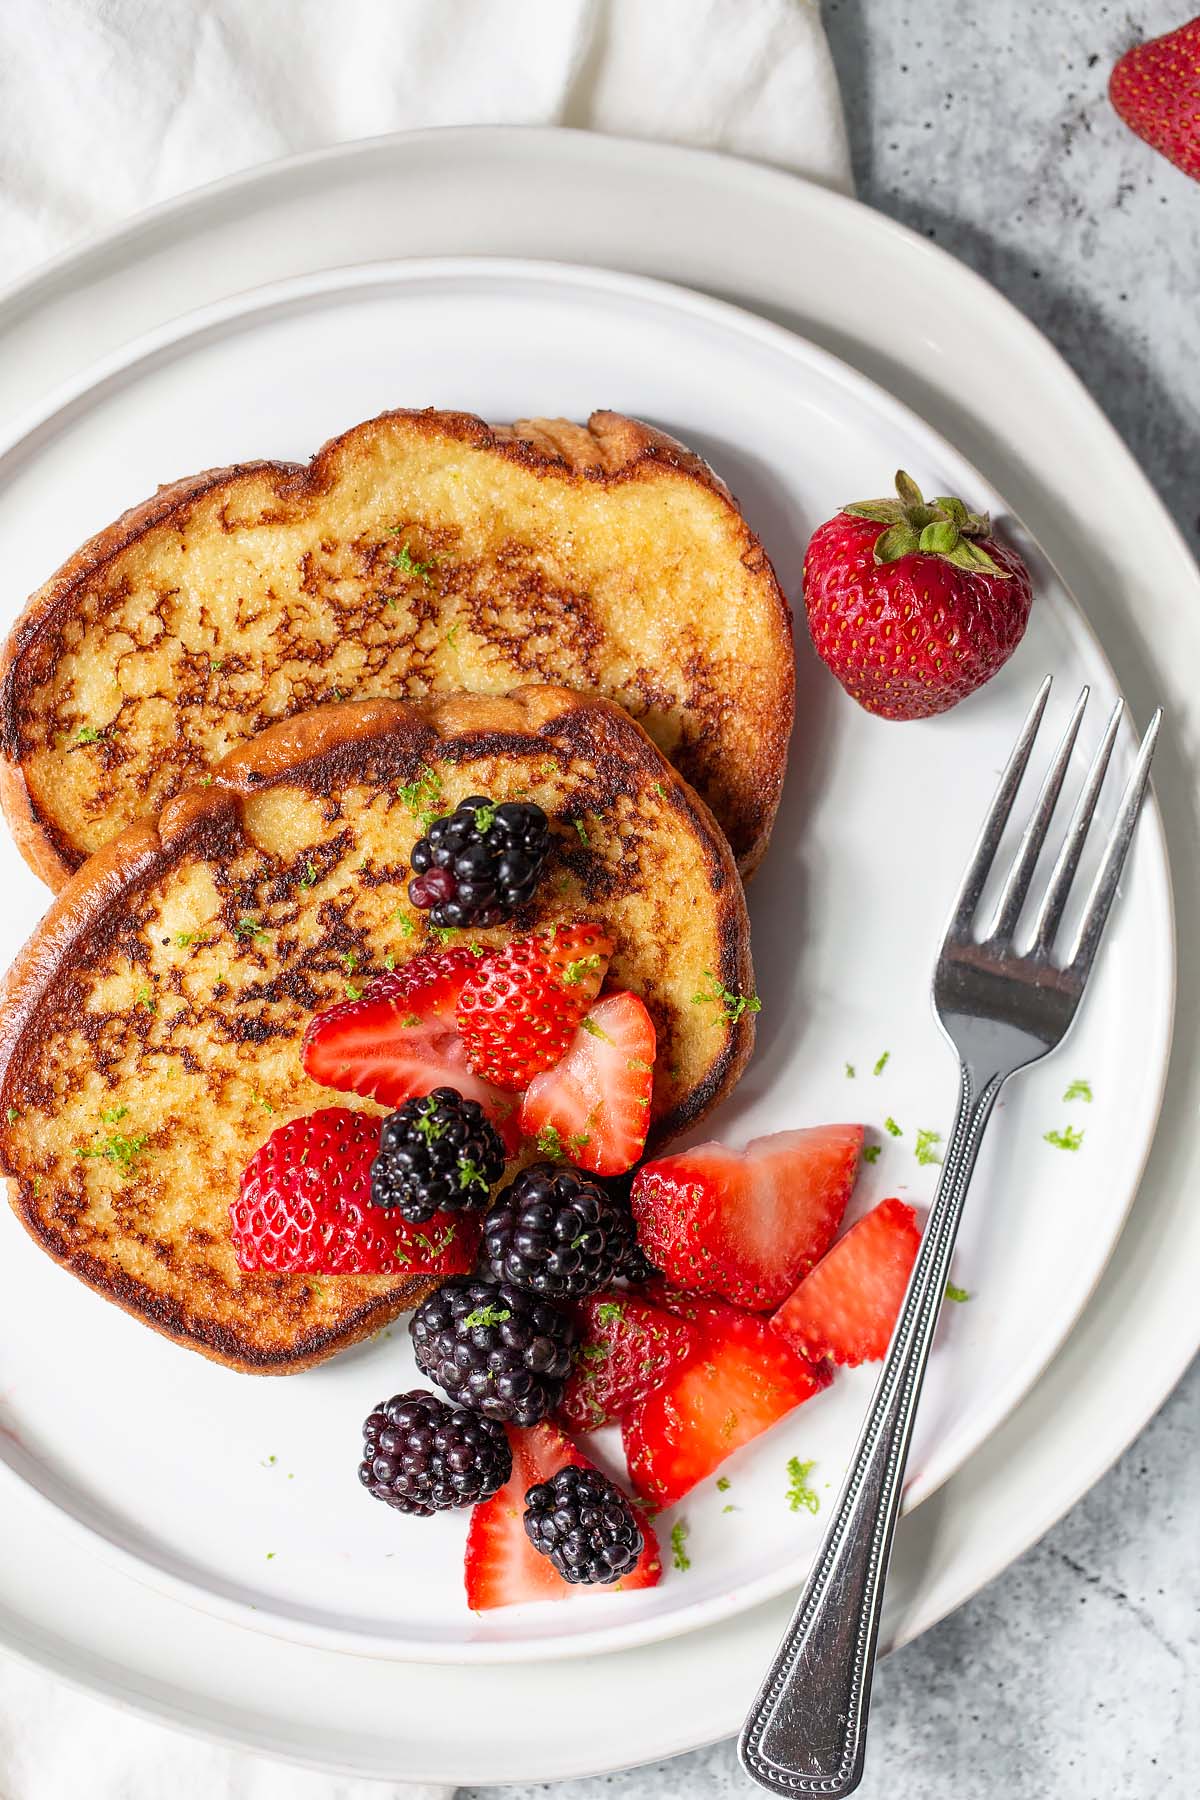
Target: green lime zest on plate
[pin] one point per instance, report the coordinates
(926, 1150)
(679, 1536)
(1079, 1090)
(891, 1127)
(871, 1153)
(957, 1294)
(882, 1064)
(1069, 1138)
(800, 1493)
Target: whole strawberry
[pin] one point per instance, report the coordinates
(1155, 88)
(305, 1208)
(913, 604)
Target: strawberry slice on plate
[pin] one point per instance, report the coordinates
(594, 1105)
(304, 1207)
(518, 1010)
(847, 1308)
(746, 1224)
(629, 1346)
(735, 1387)
(401, 1039)
(502, 1568)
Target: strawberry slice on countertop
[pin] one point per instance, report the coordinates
(596, 1101)
(401, 1039)
(846, 1308)
(304, 1207)
(629, 1346)
(519, 1008)
(501, 1567)
(736, 1386)
(747, 1224)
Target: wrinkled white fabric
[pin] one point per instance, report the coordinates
(107, 106)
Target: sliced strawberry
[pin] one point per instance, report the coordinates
(748, 1224)
(629, 1347)
(400, 1041)
(304, 1207)
(847, 1307)
(518, 1011)
(594, 1105)
(736, 1386)
(502, 1567)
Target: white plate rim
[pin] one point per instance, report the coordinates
(329, 284)
(1174, 1337)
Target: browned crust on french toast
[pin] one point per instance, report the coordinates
(374, 747)
(736, 761)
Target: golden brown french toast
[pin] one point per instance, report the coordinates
(421, 552)
(149, 1036)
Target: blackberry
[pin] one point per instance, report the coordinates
(493, 1348)
(584, 1524)
(556, 1232)
(478, 864)
(421, 1455)
(637, 1267)
(437, 1154)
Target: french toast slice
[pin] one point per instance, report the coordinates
(174, 975)
(419, 552)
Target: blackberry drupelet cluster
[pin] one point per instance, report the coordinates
(440, 1153)
(492, 1347)
(421, 1455)
(478, 864)
(556, 1232)
(637, 1268)
(584, 1524)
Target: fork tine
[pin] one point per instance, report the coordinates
(988, 841)
(1104, 887)
(1050, 912)
(1016, 886)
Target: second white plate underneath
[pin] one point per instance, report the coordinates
(241, 1494)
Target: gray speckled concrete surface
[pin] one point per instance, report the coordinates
(1076, 1675)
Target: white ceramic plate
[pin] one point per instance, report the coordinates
(901, 310)
(875, 826)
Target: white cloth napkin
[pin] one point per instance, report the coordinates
(109, 105)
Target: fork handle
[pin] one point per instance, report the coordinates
(806, 1732)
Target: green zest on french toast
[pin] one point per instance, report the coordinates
(150, 1031)
(421, 552)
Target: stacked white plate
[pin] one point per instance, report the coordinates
(242, 1583)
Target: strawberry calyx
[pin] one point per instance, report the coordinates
(942, 527)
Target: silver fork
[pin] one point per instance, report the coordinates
(1001, 1011)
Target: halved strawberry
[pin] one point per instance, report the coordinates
(746, 1224)
(400, 1041)
(629, 1346)
(304, 1207)
(847, 1307)
(518, 1011)
(502, 1567)
(594, 1105)
(736, 1386)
